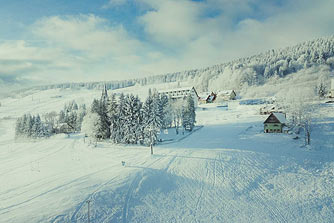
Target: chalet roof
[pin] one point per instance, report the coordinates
(226, 92)
(279, 116)
(204, 94)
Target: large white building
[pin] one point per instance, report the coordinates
(180, 93)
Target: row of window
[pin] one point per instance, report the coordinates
(273, 130)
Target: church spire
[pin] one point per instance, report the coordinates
(104, 95)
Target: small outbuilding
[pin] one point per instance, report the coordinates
(226, 95)
(275, 123)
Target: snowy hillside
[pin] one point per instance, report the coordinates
(304, 63)
(226, 171)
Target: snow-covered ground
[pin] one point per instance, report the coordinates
(226, 171)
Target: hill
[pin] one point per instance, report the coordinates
(314, 58)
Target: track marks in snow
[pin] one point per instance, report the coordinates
(247, 178)
(203, 184)
(90, 197)
(133, 185)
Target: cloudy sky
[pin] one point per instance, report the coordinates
(47, 41)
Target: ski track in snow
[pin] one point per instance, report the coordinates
(41, 194)
(134, 185)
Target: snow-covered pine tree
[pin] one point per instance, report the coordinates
(105, 123)
(28, 125)
(188, 114)
(71, 120)
(118, 130)
(152, 118)
(166, 111)
(38, 129)
(74, 105)
(112, 115)
(140, 126)
(157, 115)
(147, 119)
(95, 108)
(61, 118)
(19, 127)
(105, 120)
(132, 118)
(25, 125)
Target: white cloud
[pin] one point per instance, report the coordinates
(178, 35)
(114, 3)
(72, 48)
(88, 34)
(214, 31)
(172, 22)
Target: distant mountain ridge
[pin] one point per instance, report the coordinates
(253, 70)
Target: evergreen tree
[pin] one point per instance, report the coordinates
(166, 111)
(19, 127)
(152, 118)
(37, 128)
(71, 120)
(95, 108)
(74, 105)
(113, 118)
(132, 119)
(118, 130)
(28, 125)
(31, 126)
(61, 118)
(188, 114)
(105, 123)
(157, 115)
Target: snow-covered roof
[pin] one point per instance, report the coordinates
(184, 89)
(176, 89)
(280, 116)
(204, 94)
(226, 92)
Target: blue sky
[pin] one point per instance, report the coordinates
(45, 41)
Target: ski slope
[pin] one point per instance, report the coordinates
(227, 171)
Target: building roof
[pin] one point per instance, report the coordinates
(204, 95)
(178, 89)
(226, 92)
(279, 116)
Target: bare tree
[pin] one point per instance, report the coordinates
(299, 105)
(177, 114)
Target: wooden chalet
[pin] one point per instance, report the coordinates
(275, 123)
(225, 95)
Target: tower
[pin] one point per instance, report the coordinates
(104, 95)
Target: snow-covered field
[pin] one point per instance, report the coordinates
(227, 171)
